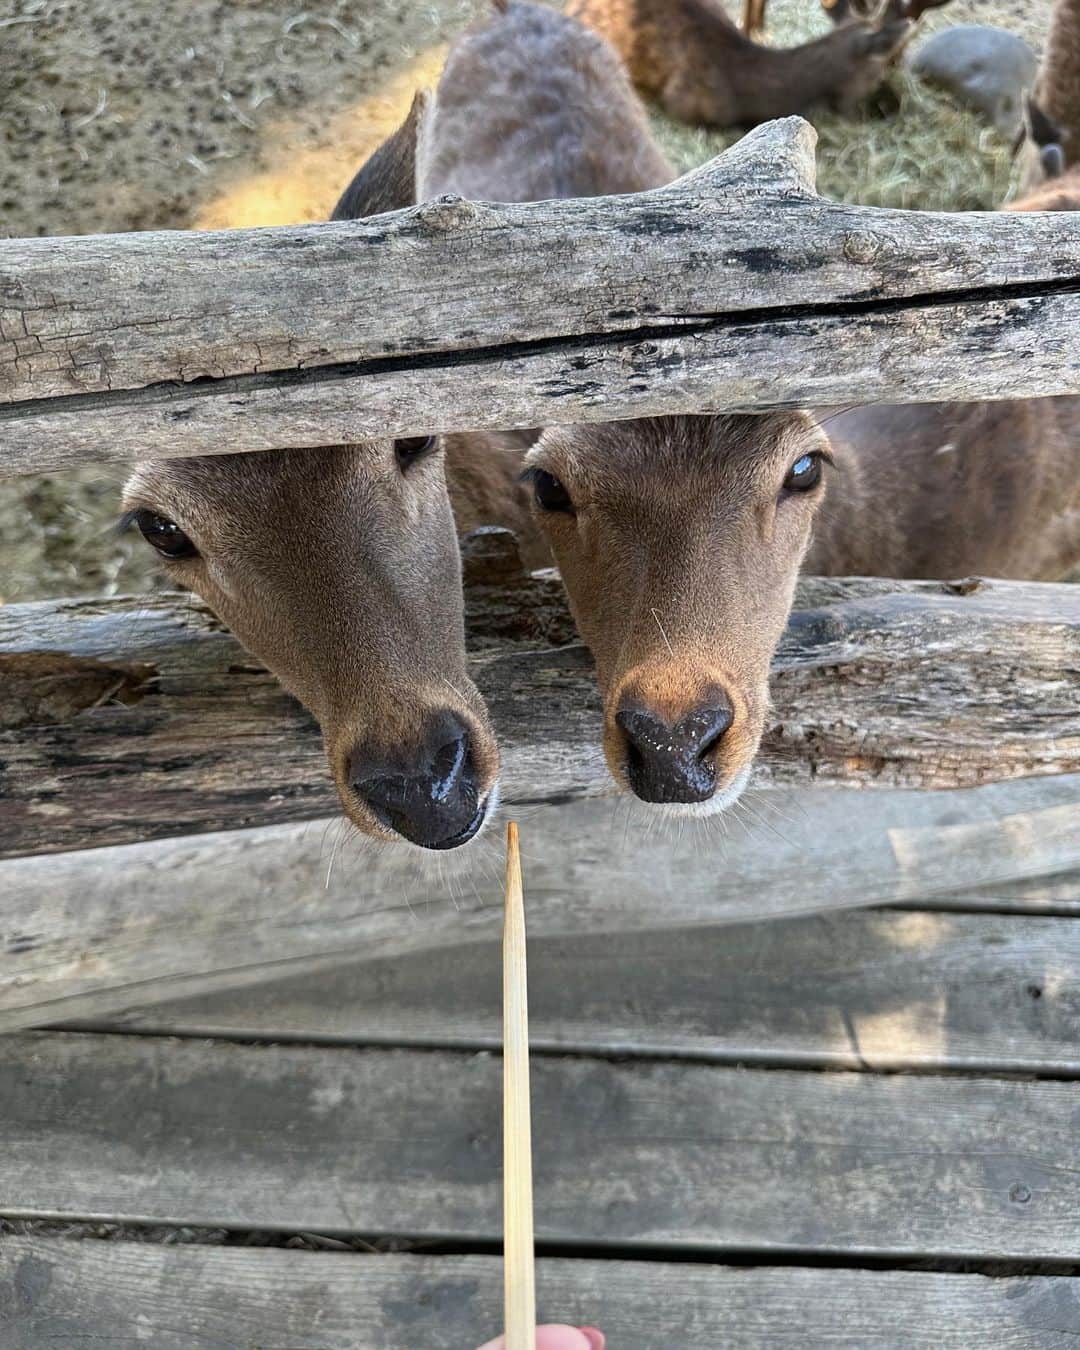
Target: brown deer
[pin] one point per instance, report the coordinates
(679, 539)
(339, 569)
(691, 57)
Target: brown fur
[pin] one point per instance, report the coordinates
(1052, 146)
(690, 57)
(1055, 194)
(528, 108)
(682, 549)
(1057, 90)
(335, 568)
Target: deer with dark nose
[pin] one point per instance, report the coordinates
(339, 569)
(679, 539)
(690, 56)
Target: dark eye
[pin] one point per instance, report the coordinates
(804, 474)
(550, 493)
(408, 449)
(164, 535)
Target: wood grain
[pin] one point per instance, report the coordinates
(123, 720)
(735, 287)
(639, 1154)
(91, 933)
(877, 990)
(56, 1294)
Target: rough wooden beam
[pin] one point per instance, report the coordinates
(735, 287)
(877, 990)
(89, 934)
(125, 1295)
(124, 720)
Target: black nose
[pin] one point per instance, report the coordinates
(428, 792)
(671, 763)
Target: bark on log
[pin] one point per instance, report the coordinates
(735, 287)
(123, 720)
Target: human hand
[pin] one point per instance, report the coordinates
(558, 1338)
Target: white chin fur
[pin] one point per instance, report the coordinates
(719, 801)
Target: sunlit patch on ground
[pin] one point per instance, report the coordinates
(308, 178)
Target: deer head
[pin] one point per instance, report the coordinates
(679, 541)
(338, 568)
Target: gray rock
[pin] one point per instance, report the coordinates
(987, 68)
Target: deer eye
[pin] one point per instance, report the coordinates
(408, 449)
(164, 535)
(550, 493)
(804, 474)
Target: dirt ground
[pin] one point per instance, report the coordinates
(151, 114)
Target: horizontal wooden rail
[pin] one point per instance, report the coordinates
(87, 934)
(128, 719)
(233, 1298)
(876, 989)
(638, 1155)
(735, 287)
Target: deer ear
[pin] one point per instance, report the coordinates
(387, 180)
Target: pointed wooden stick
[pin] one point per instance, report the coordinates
(520, 1289)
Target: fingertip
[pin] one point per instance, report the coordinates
(594, 1336)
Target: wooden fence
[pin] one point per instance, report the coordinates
(124, 721)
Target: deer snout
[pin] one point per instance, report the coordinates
(674, 761)
(428, 792)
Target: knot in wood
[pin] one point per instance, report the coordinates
(861, 247)
(447, 212)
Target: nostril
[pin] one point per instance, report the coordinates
(449, 762)
(672, 763)
(427, 792)
(708, 729)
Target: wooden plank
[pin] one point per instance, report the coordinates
(91, 933)
(1043, 895)
(56, 1295)
(636, 1154)
(736, 287)
(876, 989)
(124, 720)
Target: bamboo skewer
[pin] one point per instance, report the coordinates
(518, 1268)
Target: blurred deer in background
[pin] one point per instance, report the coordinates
(691, 57)
(1051, 157)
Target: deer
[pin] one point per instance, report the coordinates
(690, 57)
(679, 539)
(339, 569)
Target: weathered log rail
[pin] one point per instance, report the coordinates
(736, 288)
(123, 720)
